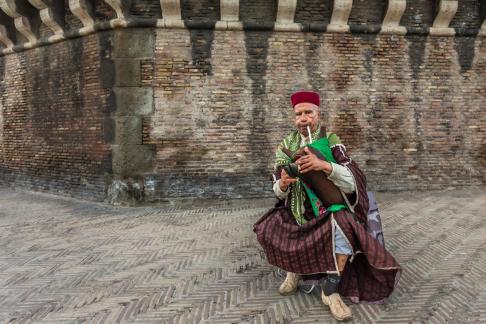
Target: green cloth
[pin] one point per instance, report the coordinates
(322, 145)
(292, 142)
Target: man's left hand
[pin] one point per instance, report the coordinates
(311, 162)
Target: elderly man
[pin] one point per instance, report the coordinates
(313, 238)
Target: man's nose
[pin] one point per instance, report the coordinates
(303, 118)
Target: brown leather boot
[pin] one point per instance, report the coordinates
(339, 309)
(290, 284)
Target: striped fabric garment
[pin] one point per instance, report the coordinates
(372, 272)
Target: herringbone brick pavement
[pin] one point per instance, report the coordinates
(69, 261)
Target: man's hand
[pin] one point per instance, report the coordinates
(311, 162)
(285, 180)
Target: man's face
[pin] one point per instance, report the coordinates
(306, 114)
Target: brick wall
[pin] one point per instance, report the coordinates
(467, 15)
(72, 23)
(258, 11)
(406, 116)
(309, 11)
(367, 12)
(54, 110)
(146, 8)
(419, 14)
(200, 10)
(103, 12)
(199, 112)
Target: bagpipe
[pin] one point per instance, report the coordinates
(327, 192)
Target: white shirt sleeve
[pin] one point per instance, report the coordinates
(278, 192)
(342, 178)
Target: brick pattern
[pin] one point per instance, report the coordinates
(103, 11)
(45, 31)
(146, 8)
(367, 12)
(200, 10)
(399, 115)
(419, 14)
(72, 261)
(256, 11)
(400, 104)
(308, 11)
(54, 109)
(467, 15)
(72, 23)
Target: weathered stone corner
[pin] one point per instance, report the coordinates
(126, 192)
(131, 158)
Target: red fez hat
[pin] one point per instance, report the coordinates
(305, 96)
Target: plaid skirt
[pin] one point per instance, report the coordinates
(370, 275)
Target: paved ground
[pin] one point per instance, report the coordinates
(64, 260)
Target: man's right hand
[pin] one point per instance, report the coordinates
(285, 180)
